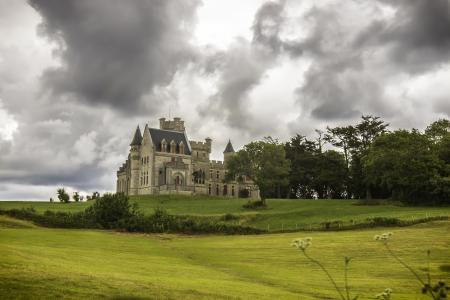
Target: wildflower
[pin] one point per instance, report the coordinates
(302, 244)
(383, 237)
(386, 295)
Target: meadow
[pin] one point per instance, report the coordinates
(43, 263)
(281, 214)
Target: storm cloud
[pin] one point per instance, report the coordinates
(77, 76)
(244, 64)
(114, 52)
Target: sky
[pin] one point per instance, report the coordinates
(78, 76)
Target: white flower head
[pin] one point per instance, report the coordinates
(302, 243)
(384, 237)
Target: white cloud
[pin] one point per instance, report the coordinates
(8, 125)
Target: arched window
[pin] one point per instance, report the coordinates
(217, 189)
(163, 145)
(225, 190)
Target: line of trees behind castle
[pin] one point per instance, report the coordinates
(362, 161)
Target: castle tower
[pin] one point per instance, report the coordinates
(176, 125)
(228, 152)
(135, 159)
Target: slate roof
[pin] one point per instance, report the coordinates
(158, 135)
(229, 147)
(137, 139)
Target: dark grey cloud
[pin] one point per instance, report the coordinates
(351, 69)
(113, 51)
(418, 36)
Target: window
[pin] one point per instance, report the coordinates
(217, 189)
(181, 148)
(209, 189)
(225, 190)
(218, 174)
(211, 174)
(232, 190)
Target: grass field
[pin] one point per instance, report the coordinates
(47, 263)
(280, 214)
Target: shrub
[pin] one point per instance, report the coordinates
(109, 209)
(254, 204)
(229, 217)
(244, 193)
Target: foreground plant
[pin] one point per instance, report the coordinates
(436, 291)
(386, 295)
(302, 244)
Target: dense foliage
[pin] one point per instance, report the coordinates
(264, 162)
(361, 161)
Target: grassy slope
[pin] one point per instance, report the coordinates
(57, 263)
(287, 214)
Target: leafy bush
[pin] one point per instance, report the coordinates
(229, 217)
(254, 204)
(109, 209)
(113, 211)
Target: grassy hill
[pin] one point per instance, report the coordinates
(74, 264)
(286, 214)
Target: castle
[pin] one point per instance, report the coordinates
(164, 161)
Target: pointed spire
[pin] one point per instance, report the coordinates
(229, 147)
(137, 139)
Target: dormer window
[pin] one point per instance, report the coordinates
(173, 147)
(181, 148)
(163, 145)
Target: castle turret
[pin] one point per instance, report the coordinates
(135, 160)
(208, 142)
(137, 139)
(228, 152)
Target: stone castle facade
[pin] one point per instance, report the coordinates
(163, 161)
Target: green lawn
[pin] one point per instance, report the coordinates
(280, 214)
(47, 263)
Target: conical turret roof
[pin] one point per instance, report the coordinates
(229, 147)
(137, 139)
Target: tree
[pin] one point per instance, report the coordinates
(315, 173)
(404, 162)
(344, 138)
(355, 142)
(63, 196)
(330, 177)
(264, 162)
(76, 197)
(95, 195)
(438, 130)
(301, 153)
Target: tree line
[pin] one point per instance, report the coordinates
(365, 160)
